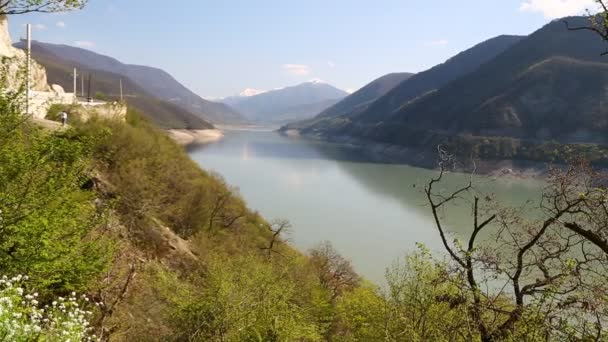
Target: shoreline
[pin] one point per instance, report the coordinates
(396, 154)
(187, 137)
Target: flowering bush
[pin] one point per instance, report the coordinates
(22, 318)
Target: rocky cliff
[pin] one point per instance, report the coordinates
(14, 63)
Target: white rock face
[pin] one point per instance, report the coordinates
(6, 44)
(57, 89)
(14, 62)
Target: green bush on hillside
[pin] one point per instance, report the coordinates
(47, 217)
(153, 177)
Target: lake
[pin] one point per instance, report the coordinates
(371, 213)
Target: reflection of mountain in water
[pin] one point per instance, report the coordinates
(401, 184)
(273, 145)
(405, 184)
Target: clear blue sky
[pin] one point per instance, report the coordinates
(218, 48)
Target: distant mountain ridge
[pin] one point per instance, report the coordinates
(438, 76)
(357, 101)
(163, 113)
(366, 95)
(509, 97)
(297, 102)
(154, 81)
(527, 90)
(391, 98)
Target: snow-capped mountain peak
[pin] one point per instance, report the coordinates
(317, 81)
(251, 92)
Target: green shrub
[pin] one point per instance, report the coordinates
(246, 298)
(24, 319)
(47, 217)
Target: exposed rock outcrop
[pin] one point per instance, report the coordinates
(14, 62)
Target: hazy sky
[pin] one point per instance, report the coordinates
(218, 48)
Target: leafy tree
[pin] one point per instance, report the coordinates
(361, 315)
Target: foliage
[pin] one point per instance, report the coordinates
(23, 318)
(246, 298)
(47, 218)
(99, 95)
(423, 302)
(12, 7)
(362, 315)
(153, 177)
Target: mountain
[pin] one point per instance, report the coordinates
(357, 101)
(361, 98)
(248, 92)
(414, 86)
(438, 76)
(164, 113)
(154, 81)
(550, 85)
(303, 111)
(298, 102)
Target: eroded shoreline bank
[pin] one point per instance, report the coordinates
(397, 154)
(186, 137)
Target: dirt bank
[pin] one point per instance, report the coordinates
(187, 137)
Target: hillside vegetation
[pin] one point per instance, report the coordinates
(167, 251)
(110, 232)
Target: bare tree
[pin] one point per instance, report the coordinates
(12, 7)
(276, 228)
(335, 272)
(225, 210)
(544, 265)
(112, 291)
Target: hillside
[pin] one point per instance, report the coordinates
(546, 87)
(411, 88)
(524, 92)
(154, 81)
(364, 96)
(163, 113)
(278, 105)
(298, 112)
(437, 77)
(354, 103)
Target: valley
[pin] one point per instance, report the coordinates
(310, 172)
(371, 212)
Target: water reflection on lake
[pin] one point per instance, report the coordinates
(372, 213)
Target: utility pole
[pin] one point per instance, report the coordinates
(75, 84)
(121, 98)
(81, 86)
(89, 98)
(28, 81)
